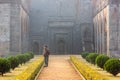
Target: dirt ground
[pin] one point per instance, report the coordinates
(59, 68)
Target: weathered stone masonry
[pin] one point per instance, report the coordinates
(65, 25)
(13, 26)
(107, 27)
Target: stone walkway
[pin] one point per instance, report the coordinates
(59, 69)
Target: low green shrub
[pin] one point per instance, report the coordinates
(4, 65)
(112, 66)
(31, 54)
(84, 54)
(101, 59)
(91, 57)
(32, 70)
(21, 58)
(88, 72)
(28, 56)
(14, 62)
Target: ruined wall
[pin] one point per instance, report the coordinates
(11, 25)
(101, 26)
(4, 28)
(15, 29)
(86, 25)
(106, 27)
(52, 23)
(114, 28)
(20, 27)
(24, 18)
(61, 23)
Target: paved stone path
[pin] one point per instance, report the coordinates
(59, 69)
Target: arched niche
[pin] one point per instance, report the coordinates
(36, 47)
(61, 46)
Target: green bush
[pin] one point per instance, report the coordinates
(4, 65)
(84, 54)
(25, 59)
(112, 66)
(21, 58)
(32, 70)
(28, 56)
(100, 60)
(87, 71)
(31, 54)
(91, 57)
(14, 62)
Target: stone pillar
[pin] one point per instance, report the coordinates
(4, 28)
(102, 19)
(15, 29)
(114, 28)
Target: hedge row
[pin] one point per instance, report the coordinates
(91, 57)
(111, 65)
(31, 71)
(88, 72)
(13, 61)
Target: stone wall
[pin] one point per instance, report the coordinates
(19, 28)
(60, 23)
(86, 25)
(52, 23)
(101, 31)
(4, 28)
(101, 26)
(15, 30)
(114, 28)
(106, 28)
(99, 5)
(14, 34)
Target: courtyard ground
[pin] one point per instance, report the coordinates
(59, 68)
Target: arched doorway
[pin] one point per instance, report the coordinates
(87, 42)
(36, 47)
(61, 46)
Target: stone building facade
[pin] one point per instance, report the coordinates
(14, 26)
(66, 26)
(107, 27)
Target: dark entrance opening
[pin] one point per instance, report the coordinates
(61, 47)
(36, 47)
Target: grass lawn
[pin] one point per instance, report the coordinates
(110, 76)
(11, 75)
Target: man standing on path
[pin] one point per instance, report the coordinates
(46, 54)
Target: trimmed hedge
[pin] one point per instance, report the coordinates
(27, 57)
(101, 59)
(14, 62)
(91, 57)
(88, 72)
(112, 66)
(23, 58)
(4, 65)
(31, 54)
(84, 54)
(31, 71)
